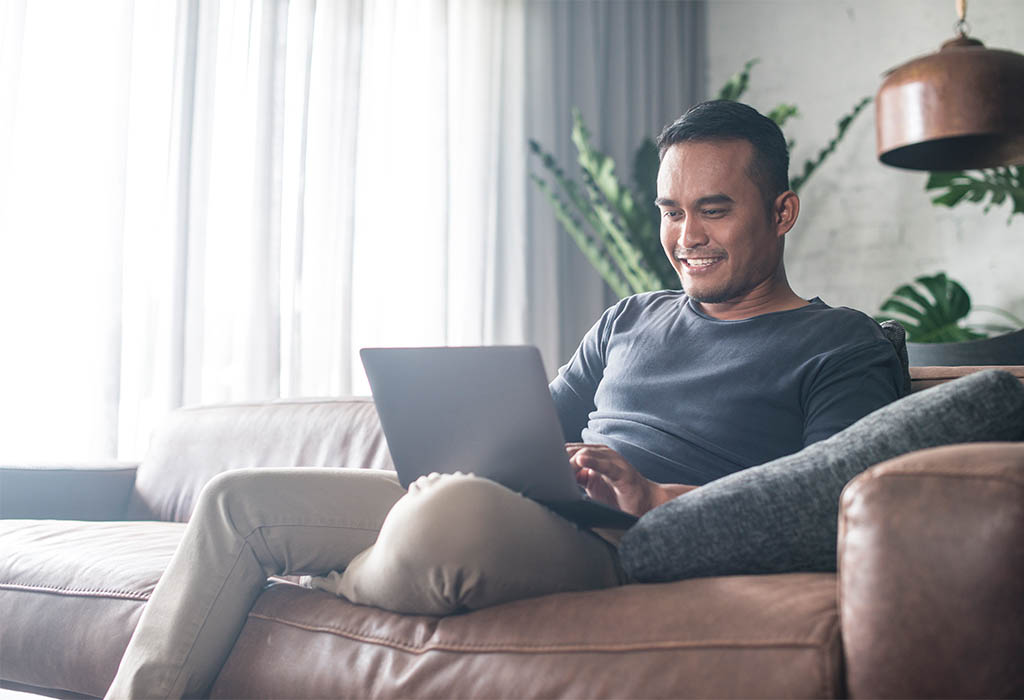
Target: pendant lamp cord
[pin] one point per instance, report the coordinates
(961, 27)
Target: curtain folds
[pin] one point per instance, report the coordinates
(233, 196)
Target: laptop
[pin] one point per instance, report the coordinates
(481, 410)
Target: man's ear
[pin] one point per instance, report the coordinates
(785, 211)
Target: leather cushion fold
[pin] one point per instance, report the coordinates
(782, 516)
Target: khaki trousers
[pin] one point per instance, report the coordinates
(452, 543)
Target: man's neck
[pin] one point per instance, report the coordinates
(779, 298)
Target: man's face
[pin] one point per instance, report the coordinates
(715, 226)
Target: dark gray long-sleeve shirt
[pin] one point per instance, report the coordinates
(687, 398)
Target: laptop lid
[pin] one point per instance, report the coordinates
(485, 410)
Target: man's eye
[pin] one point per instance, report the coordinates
(671, 214)
(713, 212)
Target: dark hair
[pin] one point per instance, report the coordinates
(727, 120)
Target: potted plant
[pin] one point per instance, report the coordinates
(934, 309)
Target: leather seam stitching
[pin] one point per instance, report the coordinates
(89, 592)
(527, 649)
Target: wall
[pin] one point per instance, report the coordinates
(865, 228)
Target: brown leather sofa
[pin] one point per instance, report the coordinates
(928, 601)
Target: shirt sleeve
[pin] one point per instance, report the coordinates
(575, 386)
(848, 386)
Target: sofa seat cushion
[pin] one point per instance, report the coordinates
(743, 636)
(71, 593)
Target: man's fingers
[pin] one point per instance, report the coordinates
(581, 448)
(574, 447)
(614, 468)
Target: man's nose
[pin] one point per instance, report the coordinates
(693, 233)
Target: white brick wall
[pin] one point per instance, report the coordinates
(865, 227)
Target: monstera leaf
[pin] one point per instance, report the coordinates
(931, 309)
(991, 187)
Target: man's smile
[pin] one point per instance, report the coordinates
(699, 261)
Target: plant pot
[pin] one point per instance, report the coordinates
(1006, 349)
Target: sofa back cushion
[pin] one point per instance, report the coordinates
(195, 444)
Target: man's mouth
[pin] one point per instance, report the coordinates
(700, 263)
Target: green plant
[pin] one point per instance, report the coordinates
(933, 309)
(617, 226)
(997, 184)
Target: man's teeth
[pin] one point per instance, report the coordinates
(700, 262)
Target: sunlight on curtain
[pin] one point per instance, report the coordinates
(222, 200)
(318, 223)
(489, 243)
(149, 351)
(65, 103)
(230, 332)
(417, 110)
(401, 194)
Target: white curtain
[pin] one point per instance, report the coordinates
(222, 200)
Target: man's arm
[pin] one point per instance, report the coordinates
(574, 388)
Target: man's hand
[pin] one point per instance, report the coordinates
(609, 478)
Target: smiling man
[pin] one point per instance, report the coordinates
(723, 230)
(672, 389)
(668, 391)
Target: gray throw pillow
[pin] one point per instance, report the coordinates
(782, 516)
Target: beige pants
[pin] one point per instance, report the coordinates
(452, 543)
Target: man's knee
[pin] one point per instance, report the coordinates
(447, 518)
(224, 493)
(439, 551)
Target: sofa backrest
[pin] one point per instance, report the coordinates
(195, 444)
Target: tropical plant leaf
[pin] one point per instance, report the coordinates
(950, 297)
(932, 310)
(606, 260)
(1007, 324)
(737, 85)
(990, 329)
(811, 166)
(617, 240)
(782, 114)
(614, 208)
(645, 172)
(645, 183)
(1015, 321)
(595, 253)
(998, 184)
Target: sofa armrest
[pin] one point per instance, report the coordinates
(931, 574)
(97, 491)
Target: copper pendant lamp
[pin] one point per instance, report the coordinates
(960, 108)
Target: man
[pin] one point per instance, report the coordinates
(738, 369)
(667, 391)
